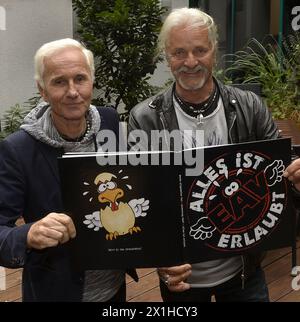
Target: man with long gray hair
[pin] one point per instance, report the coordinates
(198, 101)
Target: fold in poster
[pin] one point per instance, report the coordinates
(155, 215)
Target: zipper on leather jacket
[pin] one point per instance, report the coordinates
(229, 131)
(243, 273)
(162, 119)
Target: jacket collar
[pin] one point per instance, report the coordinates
(163, 104)
(230, 105)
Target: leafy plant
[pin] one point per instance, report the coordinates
(14, 116)
(221, 75)
(12, 119)
(276, 69)
(122, 35)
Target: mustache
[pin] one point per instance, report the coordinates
(191, 70)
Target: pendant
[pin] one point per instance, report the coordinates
(199, 119)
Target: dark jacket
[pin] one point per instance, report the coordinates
(30, 187)
(247, 118)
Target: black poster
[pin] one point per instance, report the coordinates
(156, 215)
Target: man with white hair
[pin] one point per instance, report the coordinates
(198, 101)
(29, 181)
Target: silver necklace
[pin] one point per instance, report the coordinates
(80, 137)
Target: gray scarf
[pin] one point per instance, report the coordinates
(38, 123)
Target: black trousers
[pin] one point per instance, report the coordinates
(255, 290)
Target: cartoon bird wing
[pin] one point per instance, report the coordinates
(139, 206)
(93, 221)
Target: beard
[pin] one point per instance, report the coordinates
(191, 84)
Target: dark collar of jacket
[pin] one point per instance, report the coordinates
(246, 115)
(163, 104)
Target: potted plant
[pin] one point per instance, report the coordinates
(276, 69)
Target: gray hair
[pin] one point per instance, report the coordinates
(50, 48)
(189, 17)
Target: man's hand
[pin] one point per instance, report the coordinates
(50, 231)
(292, 173)
(174, 277)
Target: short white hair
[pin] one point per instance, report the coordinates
(52, 47)
(187, 17)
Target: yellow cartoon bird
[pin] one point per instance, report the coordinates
(118, 218)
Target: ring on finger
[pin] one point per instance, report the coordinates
(166, 279)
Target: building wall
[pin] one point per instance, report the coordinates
(24, 26)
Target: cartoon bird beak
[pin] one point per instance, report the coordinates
(111, 196)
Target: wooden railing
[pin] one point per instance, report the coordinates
(289, 128)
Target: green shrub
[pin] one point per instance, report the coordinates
(14, 116)
(122, 35)
(276, 69)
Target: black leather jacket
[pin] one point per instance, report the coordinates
(248, 119)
